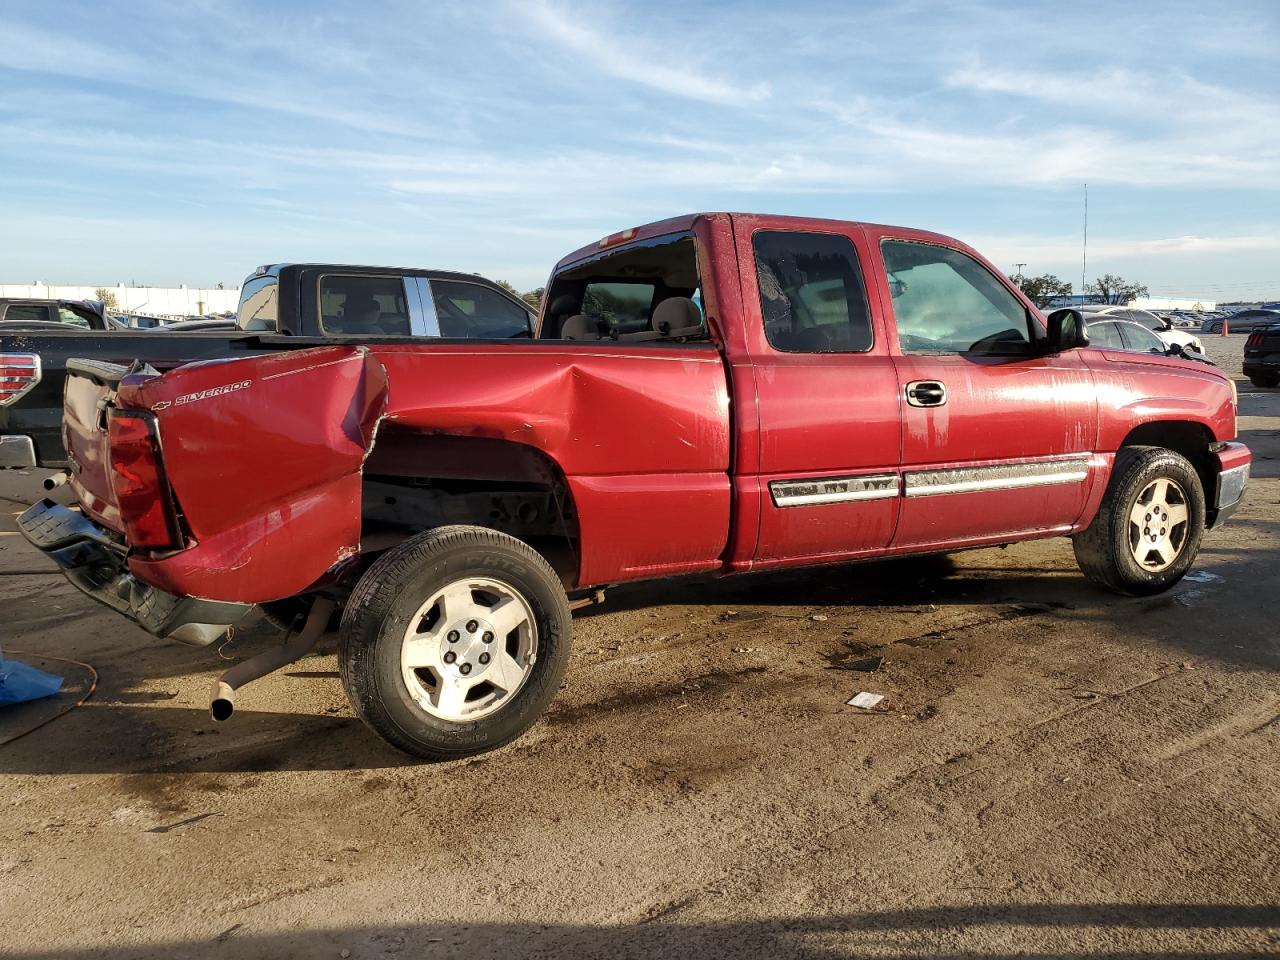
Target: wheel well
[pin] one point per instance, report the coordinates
(1181, 436)
(414, 481)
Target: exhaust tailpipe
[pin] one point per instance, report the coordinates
(55, 481)
(223, 698)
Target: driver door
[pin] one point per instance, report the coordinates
(997, 436)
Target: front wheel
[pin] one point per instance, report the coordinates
(454, 642)
(1147, 531)
(1265, 379)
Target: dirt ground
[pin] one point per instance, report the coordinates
(1062, 773)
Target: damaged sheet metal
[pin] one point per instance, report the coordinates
(265, 456)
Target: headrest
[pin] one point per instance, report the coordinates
(579, 327)
(360, 303)
(564, 303)
(676, 313)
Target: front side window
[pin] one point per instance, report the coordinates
(1139, 338)
(364, 306)
(475, 312)
(944, 301)
(812, 296)
(69, 316)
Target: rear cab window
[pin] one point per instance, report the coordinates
(647, 292)
(946, 302)
(259, 307)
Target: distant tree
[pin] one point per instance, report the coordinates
(533, 297)
(108, 298)
(1117, 290)
(1044, 289)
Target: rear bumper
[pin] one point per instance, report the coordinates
(16, 452)
(93, 558)
(1264, 364)
(1234, 461)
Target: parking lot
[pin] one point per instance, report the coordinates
(1060, 772)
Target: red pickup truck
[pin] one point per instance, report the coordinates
(715, 394)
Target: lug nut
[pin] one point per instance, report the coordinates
(450, 657)
(488, 636)
(453, 636)
(465, 669)
(484, 658)
(472, 626)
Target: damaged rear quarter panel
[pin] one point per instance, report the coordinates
(641, 435)
(264, 455)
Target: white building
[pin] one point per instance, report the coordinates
(1173, 303)
(150, 301)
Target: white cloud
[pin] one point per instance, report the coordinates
(644, 62)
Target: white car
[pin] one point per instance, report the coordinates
(1161, 328)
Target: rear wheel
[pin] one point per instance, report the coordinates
(454, 642)
(1265, 379)
(1147, 531)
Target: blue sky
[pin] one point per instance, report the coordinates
(187, 142)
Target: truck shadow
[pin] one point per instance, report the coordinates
(992, 931)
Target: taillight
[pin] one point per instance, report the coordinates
(1254, 341)
(19, 373)
(137, 477)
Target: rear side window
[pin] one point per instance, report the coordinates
(26, 312)
(474, 311)
(624, 307)
(944, 301)
(811, 293)
(257, 304)
(364, 306)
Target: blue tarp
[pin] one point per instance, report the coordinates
(20, 683)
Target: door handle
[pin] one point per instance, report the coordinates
(926, 393)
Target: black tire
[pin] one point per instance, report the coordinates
(389, 594)
(1104, 550)
(1265, 379)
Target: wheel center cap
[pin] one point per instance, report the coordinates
(468, 647)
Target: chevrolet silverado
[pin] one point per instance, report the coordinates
(715, 394)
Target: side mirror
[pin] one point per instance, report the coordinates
(1066, 331)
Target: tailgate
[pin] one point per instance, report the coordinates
(263, 458)
(89, 393)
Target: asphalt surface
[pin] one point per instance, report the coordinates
(1059, 772)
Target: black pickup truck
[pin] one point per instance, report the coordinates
(282, 306)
